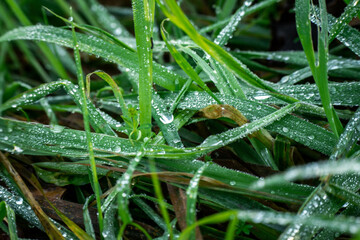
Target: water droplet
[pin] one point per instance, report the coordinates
(19, 201)
(57, 128)
(285, 129)
(166, 119)
(232, 183)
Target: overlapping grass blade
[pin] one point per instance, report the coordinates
(319, 64)
(35, 94)
(191, 194)
(85, 112)
(319, 196)
(7, 211)
(351, 10)
(302, 133)
(183, 63)
(96, 46)
(117, 92)
(165, 120)
(348, 36)
(104, 18)
(226, 33)
(58, 67)
(339, 223)
(175, 14)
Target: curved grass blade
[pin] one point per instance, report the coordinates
(345, 224)
(117, 92)
(43, 47)
(8, 212)
(183, 63)
(350, 11)
(35, 94)
(87, 219)
(175, 14)
(94, 30)
(319, 196)
(96, 46)
(165, 121)
(49, 227)
(226, 33)
(90, 145)
(191, 194)
(104, 18)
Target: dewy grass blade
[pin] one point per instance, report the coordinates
(345, 224)
(11, 220)
(165, 120)
(227, 32)
(318, 66)
(183, 63)
(191, 194)
(93, 30)
(160, 197)
(96, 46)
(85, 112)
(215, 77)
(175, 14)
(351, 10)
(35, 94)
(104, 18)
(232, 135)
(143, 22)
(44, 48)
(309, 171)
(122, 191)
(87, 219)
(117, 92)
(51, 230)
(349, 181)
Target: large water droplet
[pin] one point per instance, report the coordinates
(166, 119)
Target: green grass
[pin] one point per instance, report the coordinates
(163, 121)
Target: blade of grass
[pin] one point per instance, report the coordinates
(143, 22)
(58, 67)
(175, 14)
(191, 194)
(85, 112)
(184, 64)
(49, 227)
(319, 197)
(318, 66)
(339, 223)
(96, 46)
(119, 97)
(160, 197)
(350, 11)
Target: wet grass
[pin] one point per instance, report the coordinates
(163, 121)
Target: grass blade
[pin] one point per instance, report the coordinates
(90, 145)
(191, 194)
(143, 20)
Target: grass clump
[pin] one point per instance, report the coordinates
(178, 120)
